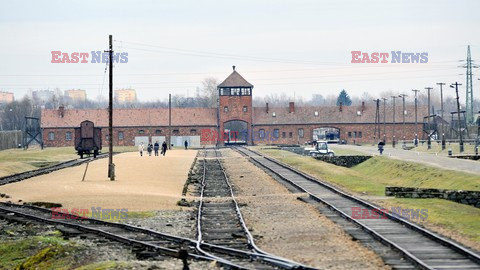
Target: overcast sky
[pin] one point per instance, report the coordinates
(298, 47)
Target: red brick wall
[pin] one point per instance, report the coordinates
(235, 110)
(366, 129)
(129, 134)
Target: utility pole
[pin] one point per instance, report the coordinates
(377, 121)
(455, 85)
(403, 131)
(441, 108)
(416, 117)
(429, 139)
(384, 119)
(393, 133)
(111, 166)
(169, 121)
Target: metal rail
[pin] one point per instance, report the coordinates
(418, 262)
(257, 253)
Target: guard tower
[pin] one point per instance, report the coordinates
(235, 110)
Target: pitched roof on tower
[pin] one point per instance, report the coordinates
(235, 80)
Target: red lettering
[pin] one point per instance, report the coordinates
(356, 212)
(55, 55)
(84, 213)
(355, 55)
(84, 57)
(375, 58)
(365, 213)
(75, 58)
(365, 58)
(375, 214)
(65, 58)
(384, 56)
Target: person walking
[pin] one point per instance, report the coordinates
(381, 144)
(164, 148)
(186, 145)
(149, 149)
(140, 149)
(156, 146)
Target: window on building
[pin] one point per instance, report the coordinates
(120, 135)
(175, 132)
(235, 91)
(51, 136)
(106, 137)
(355, 134)
(225, 109)
(274, 114)
(300, 132)
(349, 134)
(261, 133)
(315, 113)
(224, 91)
(193, 132)
(359, 134)
(68, 136)
(158, 132)
(245, 108)
(276, 133)
(245, 91)
(290, 134)
(284, 134)
(141, 131)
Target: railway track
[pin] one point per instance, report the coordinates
(148, 243)
(29, 174)
(220, 221)
(420, 247)
(144, 242)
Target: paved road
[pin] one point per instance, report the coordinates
(463, 165)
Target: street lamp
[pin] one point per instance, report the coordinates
(393, 133)
(416, 118)
(403, 131)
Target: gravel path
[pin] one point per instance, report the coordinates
(284, 226)
(442, 162)
(141, 184)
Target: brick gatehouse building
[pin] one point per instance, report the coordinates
(235, 120)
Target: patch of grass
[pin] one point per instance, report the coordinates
(344, 177)
(373, 175)
(104, 266)
(445, 214)
(39, 252)
(345, 152)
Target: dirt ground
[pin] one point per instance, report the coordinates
(141, 184)
(284, 226)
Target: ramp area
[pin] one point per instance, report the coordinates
(142, 183)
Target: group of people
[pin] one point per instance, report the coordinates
(155, 147)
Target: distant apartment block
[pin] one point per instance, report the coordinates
(76, 95)
(42, 96)
(6, 97)
(125, 95)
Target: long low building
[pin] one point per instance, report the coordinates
(235, 120)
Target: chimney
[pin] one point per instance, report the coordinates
(341, 106)
(291, 107)
(61, 111)
(266, 107)
(233, 68)
(363, 106)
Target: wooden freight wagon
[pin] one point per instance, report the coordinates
(88, 139)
